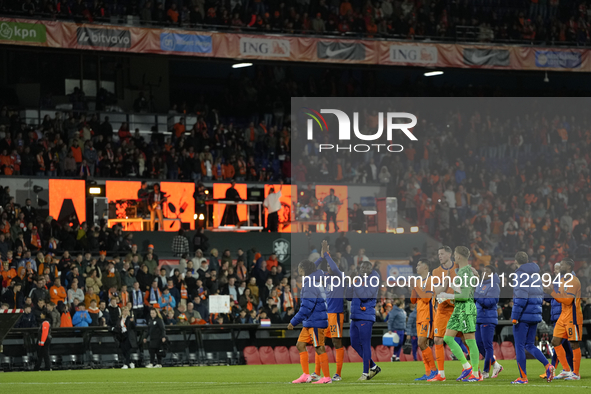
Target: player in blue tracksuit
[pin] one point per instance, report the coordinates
(335, 309)
(528, 295)
(312, 314)
(486, 296)
(555, 311)
(363, 316)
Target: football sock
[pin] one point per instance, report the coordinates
(340, 356)
(324, 365)
(317, 364)
(576, 360)
(304, 362)
(561, 354)
(474, 355)
(428, 357)
(456, 350)
(440, 356)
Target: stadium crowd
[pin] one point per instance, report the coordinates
(83, 289)
(77, 145)
(551, 21)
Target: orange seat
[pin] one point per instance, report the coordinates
(353, 356)
(282, 355)
(251, 355)
(508, 350)
(384, 353)
(267, 355)
(294, 355)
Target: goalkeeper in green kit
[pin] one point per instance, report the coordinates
(463, 318)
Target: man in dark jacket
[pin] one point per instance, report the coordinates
(526, 314)
(13, 296)
(39, 292)
(124, 331)
(27, 319)
(43, 342)
(397, 324)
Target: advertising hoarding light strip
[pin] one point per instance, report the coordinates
(400, 230)
(94, 190)
(242, 65)
(433, 73)
(370, 212)
(414, 229)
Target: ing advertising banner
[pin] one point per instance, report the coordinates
(57, 34)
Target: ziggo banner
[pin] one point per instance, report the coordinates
(289, 48)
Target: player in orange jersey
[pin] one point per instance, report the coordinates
(423, 296)
(570, 322)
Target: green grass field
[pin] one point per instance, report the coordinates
(275, 379)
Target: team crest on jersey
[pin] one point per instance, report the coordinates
(436, 331)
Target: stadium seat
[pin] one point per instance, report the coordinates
(508, 350)
(346, 356)
(282, 355)
(373, 353)
(497, 351)
(353, 356)
(331, 355)
(384, 353)
(448, 354)
(251, 355)
(294, 355)
(267, 355)
(406, 357)
(419, 355)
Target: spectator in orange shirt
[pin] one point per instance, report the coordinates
(6, 163)
(7, 274)
(173, 14)
(345, 7)
(76, 152)
(57, 293)
(179, 128)
(272, 262)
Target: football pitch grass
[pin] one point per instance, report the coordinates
(272, 379)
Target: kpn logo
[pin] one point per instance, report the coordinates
(318, 122)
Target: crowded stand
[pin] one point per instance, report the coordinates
(540, 21)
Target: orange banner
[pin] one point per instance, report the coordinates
(288, 193)
(219, 193)
(179, 206)
(342, 214)
(67, 200)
